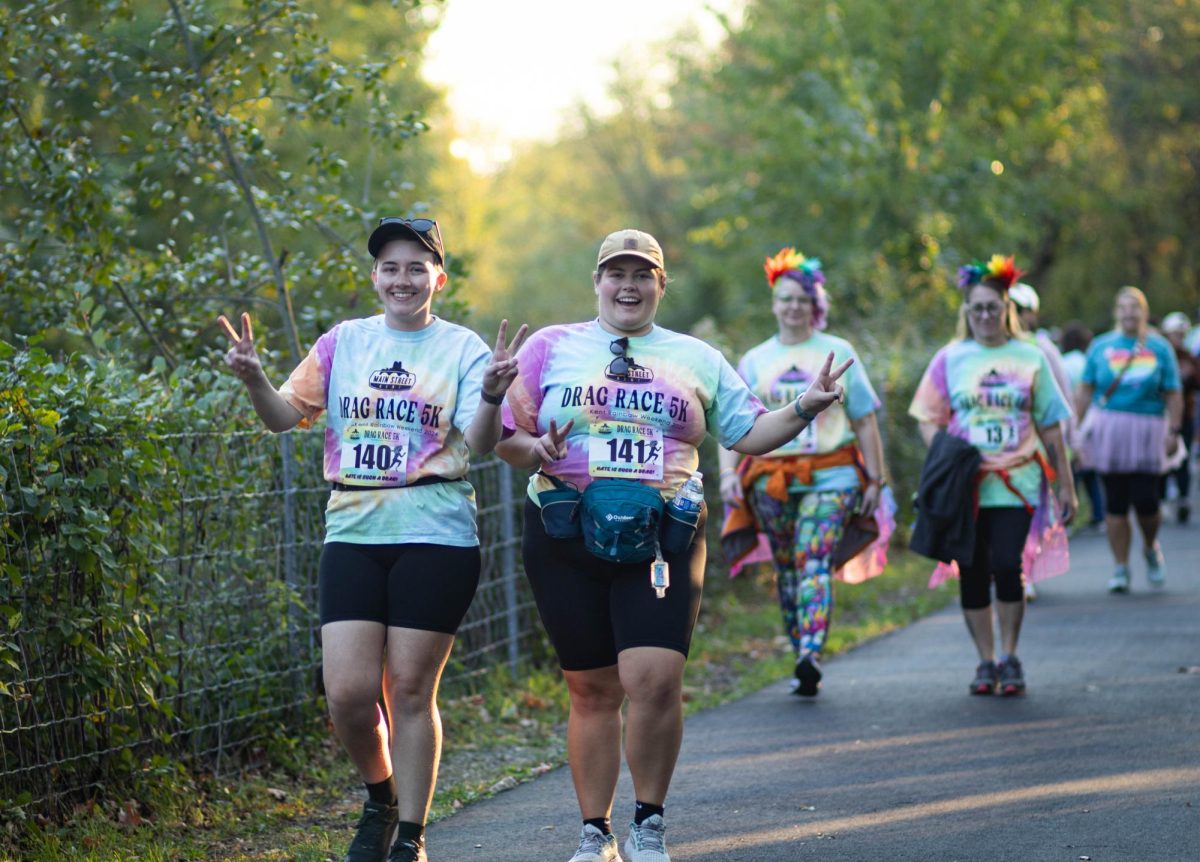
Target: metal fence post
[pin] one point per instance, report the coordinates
(290, 575)
(508, 564)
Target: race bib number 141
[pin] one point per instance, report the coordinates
(624, 450)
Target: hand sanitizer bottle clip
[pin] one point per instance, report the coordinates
(660, 576)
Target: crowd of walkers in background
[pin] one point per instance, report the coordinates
(609, 414)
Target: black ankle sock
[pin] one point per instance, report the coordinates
(408, 831)
(642, 810)
(604, 824)
(383, 792)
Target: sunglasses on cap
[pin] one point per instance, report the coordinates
(425, 229)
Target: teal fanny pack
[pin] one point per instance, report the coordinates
(621, 519)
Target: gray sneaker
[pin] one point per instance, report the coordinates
(1156, 566)
(1012, 677)
(595, 846)
(648, 842)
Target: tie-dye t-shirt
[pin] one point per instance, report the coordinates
(995, 398)
(397, 405)
(640, 415)
(1154, 370)
(778, 373)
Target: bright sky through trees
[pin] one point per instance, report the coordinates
(514, 69)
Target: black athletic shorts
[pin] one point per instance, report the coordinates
(410, 586)
(999, 542)
(1139, 490)
(593, 609)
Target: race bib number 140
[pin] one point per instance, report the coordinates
(373, 455)
(624, 450)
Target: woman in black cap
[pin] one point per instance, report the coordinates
(407, 396)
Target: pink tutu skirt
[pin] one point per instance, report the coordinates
(1120, 442)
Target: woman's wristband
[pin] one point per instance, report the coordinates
(801, 412)
(497, 400)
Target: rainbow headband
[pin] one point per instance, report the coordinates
(789, 260)
(1000, 270)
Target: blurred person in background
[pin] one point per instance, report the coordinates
(802, 495)
(1074, 342)
(1130, 409)
(991, 389)
(1175, 327)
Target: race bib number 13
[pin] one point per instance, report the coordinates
(624, 450)
(994, 435)
(373, 455)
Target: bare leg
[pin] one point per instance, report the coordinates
(1010, 615)
(1149, 525)
(352, 666)
(415, 660)
(1117, 528)
(594, 737)
(653, 676)
(979, 624)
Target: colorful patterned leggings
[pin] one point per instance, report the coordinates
(803, 533)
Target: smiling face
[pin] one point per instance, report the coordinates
(406, 277)
(986, 310)
(629, 289)
(793, 308)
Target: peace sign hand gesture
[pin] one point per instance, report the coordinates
(502, 369)
(552, 445)
(242, 358)
(825, 389)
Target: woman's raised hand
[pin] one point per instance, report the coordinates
(242, 358)
(502, 369)
(552, 445)
(825, 389)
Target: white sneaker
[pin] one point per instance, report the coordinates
(648, 842)
(595, 846)
(1156, 566)
(1119, 582)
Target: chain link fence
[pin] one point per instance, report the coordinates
(231, 627)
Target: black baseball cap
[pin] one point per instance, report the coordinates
(423, 230)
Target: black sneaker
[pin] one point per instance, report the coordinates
(1012, 678)
(374, 833)
(408, 850)
(808, 675)
(986, 677)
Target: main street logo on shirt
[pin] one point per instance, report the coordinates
(633, 373)
(993, 380)
(394, 379)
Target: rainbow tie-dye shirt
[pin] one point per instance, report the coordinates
(995, 398)
(638, 415)
(778, 373)
(397, 405)
(1153, 371)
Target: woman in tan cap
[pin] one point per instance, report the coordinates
(615, 408)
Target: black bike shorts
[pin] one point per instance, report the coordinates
(593, 609)
(410, 586)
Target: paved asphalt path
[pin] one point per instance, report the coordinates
(893, 761)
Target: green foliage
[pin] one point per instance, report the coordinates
(162, 164)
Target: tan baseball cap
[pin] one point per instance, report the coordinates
(629, 241)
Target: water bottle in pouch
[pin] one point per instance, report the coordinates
(690, 496)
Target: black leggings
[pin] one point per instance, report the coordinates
(999, 540)
(1122, 490)
(592, 609)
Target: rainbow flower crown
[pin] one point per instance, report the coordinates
(1000, 270)
(790, 260)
